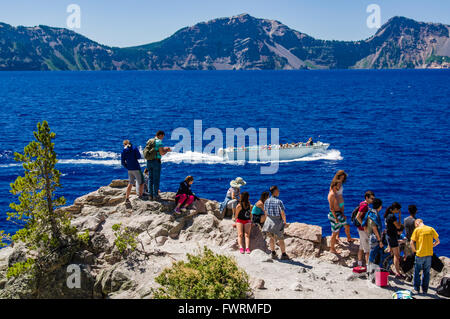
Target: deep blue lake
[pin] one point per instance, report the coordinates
(389, 130)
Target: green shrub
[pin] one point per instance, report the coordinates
(3, 238)
(125, 239)
(20, 268)
(204, 276)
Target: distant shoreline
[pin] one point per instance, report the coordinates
(240, 42)
(221, 71)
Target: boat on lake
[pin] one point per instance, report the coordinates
(272, 152)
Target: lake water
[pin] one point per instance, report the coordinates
(389, 130)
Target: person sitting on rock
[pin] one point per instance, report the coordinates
(232, 198)
(258, 213)
(243, 218)
(184, 196)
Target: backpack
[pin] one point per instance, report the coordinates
(365, 220)
(444, 288)
(408, 263)
(149, 150)
(353, 218)
(436, 263)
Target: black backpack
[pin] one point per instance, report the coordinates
(408, 263)
(436, 263)
(353, 218)
(444, 288)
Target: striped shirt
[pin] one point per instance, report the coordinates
(273, 206)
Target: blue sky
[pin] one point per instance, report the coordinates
(134, 22)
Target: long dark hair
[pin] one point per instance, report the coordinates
(264, 196)
(340, 173)
(394, 205)
(244, 200)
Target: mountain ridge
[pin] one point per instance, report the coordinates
(240, 42)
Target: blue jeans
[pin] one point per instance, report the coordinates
(154, 176)
(375, 250)
(374, 253)
(422, 264)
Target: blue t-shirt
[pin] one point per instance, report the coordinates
(257, 211)
(158, 144)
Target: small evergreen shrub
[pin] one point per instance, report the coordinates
(4, 238)
(204, 276)
(125, 239)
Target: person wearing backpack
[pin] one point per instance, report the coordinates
(153, 152)
(373, 224)
(423, 240)
(364, 247)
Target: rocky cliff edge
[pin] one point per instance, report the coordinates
(312, 272)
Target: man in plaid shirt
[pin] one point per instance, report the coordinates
(275, 222)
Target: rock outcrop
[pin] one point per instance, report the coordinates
(164, 238)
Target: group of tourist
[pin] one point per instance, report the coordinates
(268, 212)
(274, 146)
(150, 179)
(376, 244)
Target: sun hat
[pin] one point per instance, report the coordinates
(238, 182)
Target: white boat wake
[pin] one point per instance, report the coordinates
(107, 158)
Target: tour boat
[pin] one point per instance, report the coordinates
(272, 152)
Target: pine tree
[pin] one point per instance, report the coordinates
(46, 231)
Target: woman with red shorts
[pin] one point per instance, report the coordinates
(244, 222)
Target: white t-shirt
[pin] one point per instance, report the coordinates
(235, 190)
(340, 191)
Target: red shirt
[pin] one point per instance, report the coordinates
(364, 208)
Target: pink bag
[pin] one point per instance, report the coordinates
(381, 278)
